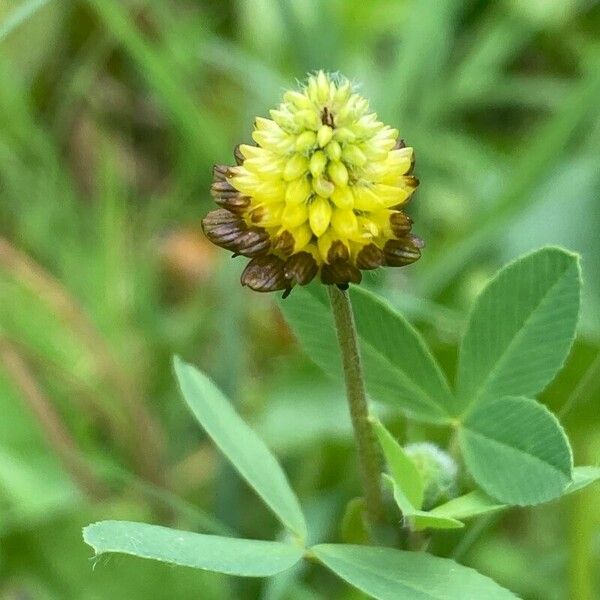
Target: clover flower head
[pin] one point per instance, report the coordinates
(320, 192)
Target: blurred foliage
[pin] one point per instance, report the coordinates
(111, 115)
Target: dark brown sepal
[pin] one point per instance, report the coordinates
(223, 228)
(399, 253)
(412, 164)
(338, 251)
(284, 243)
(219, 217)
(253, 242)
(400, 144)
(300, 268)
(221, 188)
(411, 181)
(265, 274)
(237, 154)
(369, 257)
(417, 241)
(235, 203)
(400, 224)
(257, 214)
(221, 172)
(340, 272)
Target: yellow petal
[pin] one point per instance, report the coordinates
(305, 141)
(338, 173)
(401, 159)
(323, 187)
(368, 125)
(322, 87)
(319, 215)
(334, 150)
(343, 220)
(324, 244)
(376, 151)
(324, 135)
(297, 191)
(312, 90)
(308, 118)
(271, 190)
(298, 99)
(245, 182)
(280, 143)
(343, 135)
(270, 168)
(354, 155)
(343, 93)
(302, 235)
(390, 195)
(366, 199)
(318, 162)
(284, 119)
(267, 215)
(253, 151)
(343, 197)
(367, 228)
(263, 124)
(296, 166)
(294, 215)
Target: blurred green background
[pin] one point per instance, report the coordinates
(112, 113)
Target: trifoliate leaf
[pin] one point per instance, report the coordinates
(521, 328)
(516, 450)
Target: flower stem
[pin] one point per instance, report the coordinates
(366, 445)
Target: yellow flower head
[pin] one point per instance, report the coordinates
(319, 194)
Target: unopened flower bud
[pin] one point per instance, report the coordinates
(438, 471)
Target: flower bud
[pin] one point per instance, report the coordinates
(438, 471)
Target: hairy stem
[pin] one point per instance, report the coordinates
(366, 445)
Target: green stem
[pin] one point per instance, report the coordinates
(366, 445)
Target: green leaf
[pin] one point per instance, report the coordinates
(516, 450)
(402, 469)
(233, 556)
(308, 312)
(245, 450)
(389, 574)
(473, 504)
(582, 477)
(419, 519)
(399, 368)
(352, 529)
(521, 328)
